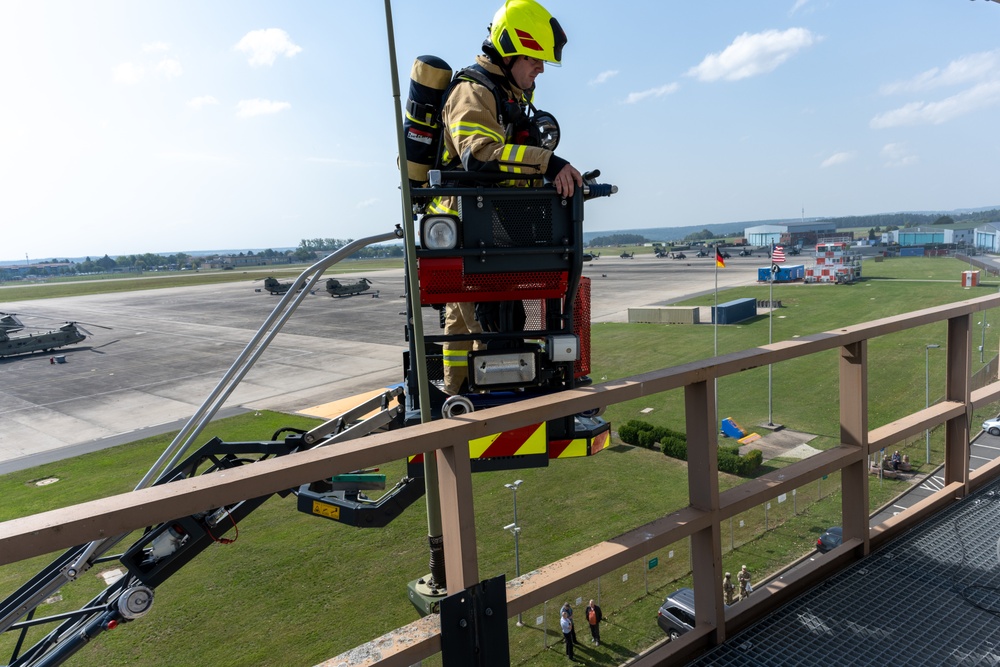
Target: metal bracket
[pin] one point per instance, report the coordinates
(474, 626)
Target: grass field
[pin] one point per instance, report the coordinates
(295, 589)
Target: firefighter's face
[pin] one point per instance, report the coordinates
(525, 69)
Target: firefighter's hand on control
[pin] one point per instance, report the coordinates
(567, 180)
(591, 188)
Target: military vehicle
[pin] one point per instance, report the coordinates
(68, 334)
(272, 285)
(338, 289)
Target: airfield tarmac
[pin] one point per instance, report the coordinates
(167, 349)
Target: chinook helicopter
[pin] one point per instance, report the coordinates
(339, 289)
(68, 334)
(274, 286)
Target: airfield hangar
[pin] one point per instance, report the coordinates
(790, 233)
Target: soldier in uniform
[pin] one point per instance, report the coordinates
(729, 588)
(744, 577)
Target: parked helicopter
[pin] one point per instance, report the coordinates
(68, 334)
(272, 285)
(627, 255)
(339, 289)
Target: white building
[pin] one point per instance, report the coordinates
(987, 237)
(789, 233)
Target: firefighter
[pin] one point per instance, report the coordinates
(489, 127)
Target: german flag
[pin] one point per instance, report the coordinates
(719, 262)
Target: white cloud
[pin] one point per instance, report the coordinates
(154, 47)
(976, 67)
(170, 68)
(750, 55)
(203, 101)
(837, 158)
(367, 203)
(898, 155)
(603, 77)
(980, 96)
(652, 92)
(799, 4)
(259, 107)
(264, 46)
(129, 73)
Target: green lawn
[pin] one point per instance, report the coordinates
(296, 589)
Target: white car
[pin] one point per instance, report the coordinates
(992, 426)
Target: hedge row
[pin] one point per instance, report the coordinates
(674, 444)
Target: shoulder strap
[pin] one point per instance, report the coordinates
(476, 74)
(479, 75)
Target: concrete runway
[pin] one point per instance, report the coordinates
(168, 348)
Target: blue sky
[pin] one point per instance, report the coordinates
(131, 127)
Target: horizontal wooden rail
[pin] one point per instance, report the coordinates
(913, 424)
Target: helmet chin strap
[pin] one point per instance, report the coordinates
(498, 60)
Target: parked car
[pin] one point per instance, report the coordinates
(831, 539)
(676, 614)
(992, 426)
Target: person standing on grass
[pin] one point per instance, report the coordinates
(729, 588)
(594, 618)
(569, 612)
(566, 623)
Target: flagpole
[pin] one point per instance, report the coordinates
(777, 256)
(715, 311)
(770, 330)
(715, 322)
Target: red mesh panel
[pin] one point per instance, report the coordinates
(444, 279)
(581, 320)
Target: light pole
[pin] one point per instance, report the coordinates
(927, 393)
(516, 530)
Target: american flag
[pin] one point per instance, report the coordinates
(777, 254)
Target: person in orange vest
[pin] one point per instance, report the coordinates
(594, 617)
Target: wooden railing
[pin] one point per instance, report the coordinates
(700, 521)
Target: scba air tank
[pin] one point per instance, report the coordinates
(429, 79)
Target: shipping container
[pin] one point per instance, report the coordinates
(734, 311)
(785, 274)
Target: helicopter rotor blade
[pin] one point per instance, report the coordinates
(55, 319)
(91, 324)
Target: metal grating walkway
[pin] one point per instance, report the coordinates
(930, 597)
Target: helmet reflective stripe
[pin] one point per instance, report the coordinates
(471, 129)
(456, 357)
(525, 28)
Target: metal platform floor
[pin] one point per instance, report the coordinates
(931, 597)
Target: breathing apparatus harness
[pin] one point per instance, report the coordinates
(530, 126)
(431, 82)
